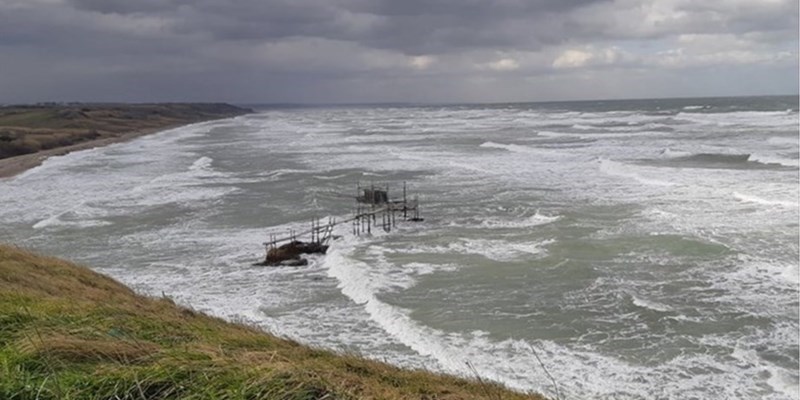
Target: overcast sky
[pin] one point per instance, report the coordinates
(323, 51)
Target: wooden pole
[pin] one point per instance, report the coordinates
(405, 203)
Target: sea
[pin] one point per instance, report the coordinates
(630, 249)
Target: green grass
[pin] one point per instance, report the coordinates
(29, 129)
(67, 332)
(33, 118)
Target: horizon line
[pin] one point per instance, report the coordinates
(386, 103)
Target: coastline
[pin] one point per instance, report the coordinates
(12, 166)
(122, 334)
(56, 130)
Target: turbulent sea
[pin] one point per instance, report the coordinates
(641, 249)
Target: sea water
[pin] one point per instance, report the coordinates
(633, 249)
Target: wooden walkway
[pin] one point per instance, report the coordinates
(370, 203)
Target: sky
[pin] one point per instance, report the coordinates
(364, 51)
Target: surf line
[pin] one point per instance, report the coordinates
(370, 202)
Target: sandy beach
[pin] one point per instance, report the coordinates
(12, 166)
(112, 124)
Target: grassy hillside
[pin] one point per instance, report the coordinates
(29, 129)
(67, 332)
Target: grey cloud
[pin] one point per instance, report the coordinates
(654, 19)
(127, 6)
(418, 27)
(413, 26)
(357, 50)
(474, 9)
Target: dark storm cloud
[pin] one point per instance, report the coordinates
(413, 26)
(409, 26)
(360, 50)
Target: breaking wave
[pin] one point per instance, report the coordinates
(716, 158)
(725, 160)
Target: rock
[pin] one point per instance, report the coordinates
(296, 262)
(289, 253)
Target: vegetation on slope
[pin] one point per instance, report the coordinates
(67, 332)
(29, 129)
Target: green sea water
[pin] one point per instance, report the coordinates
(642, 248)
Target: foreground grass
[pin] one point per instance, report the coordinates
(67, 332)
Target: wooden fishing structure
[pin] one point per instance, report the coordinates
(371, 202)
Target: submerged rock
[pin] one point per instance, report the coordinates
(295, 262)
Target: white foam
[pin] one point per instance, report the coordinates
(617, 135)
(55, 221)
(773, 159)
(81, 215)
(669, 153)
(49, 221)
(783, 382)
(556, 134)
(358, 286)
(627, 133)
(743, 118)
(453, 353)
(497, 250)
(784, 141)
(389, 276)
(370, 173)
(649, 304)
(277, 173)
(766, 202)
(753, 271)
(619, 169)
(201, 164)
(511, 147)
(536, 219)
(330, 178)
(57, 163)
(745, 360)
(580, 372)
(427, 269)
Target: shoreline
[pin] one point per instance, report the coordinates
(13, 166)
(113, 129)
